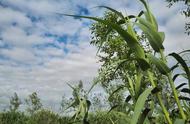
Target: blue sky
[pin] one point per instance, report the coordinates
(41, 51)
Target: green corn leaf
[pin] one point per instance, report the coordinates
(146, 23)
(186, 107)
(174, 67)
(122, 21)
(145, 4)
(162, 67)
(106, 39)
(143, 64)
(122, 115)
(73, 104)
(128, 98)
(139, 15)
(113, 107)
(185, 75)
(131, 41)
(185, 51)
(155, 38)
(156, 90)
(162, 35)
(149, 16)
(185, 90)
(131, 85)
(127, 37)
(184, 98)
(113, 10)
(130, 29)
(183, 64)
(71, 86)
(85, 121)
(152, 20)
(143, 116)
(181, 85)
(175, 76)
(140, 105)
(117, 90)
(88, 103)
(138, 84)
(179, 121)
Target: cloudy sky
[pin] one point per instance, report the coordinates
(41, 51)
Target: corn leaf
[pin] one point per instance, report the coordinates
(113, 107)
(122, 21)
(149, 16)
(174, 67)
(143, 116)
(117, 90)
(162, 67)
(175, 76)
(185, 90)
(183, 64)
(128, 98)
(155, 38)
(152, 20)
(162, 35)
(185, 51)
(179, 121)
(131, 87)
(138, 84)
(131, 41)
(113, 10)
(181, 85)
(124, 34)
(156, 90)
(184, 98)
(140, 105)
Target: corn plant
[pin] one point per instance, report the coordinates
(142, 71)
(80, 103)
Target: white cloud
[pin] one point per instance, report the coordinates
(9, 16)
(50, 52)
(19, 54)
(18, 37)
(68, 26)
(175, 25)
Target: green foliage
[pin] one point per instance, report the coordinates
(46, 117)
(15, 102)
(12, 117)
(33, 103)
(185, 11)
(162, 67)
(113, 117)
(140, 105)
(136, 68)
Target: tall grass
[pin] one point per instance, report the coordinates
(150, 65)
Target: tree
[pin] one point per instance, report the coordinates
(33, 102)
(113, 53)
(15, 102)
(185, 11)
